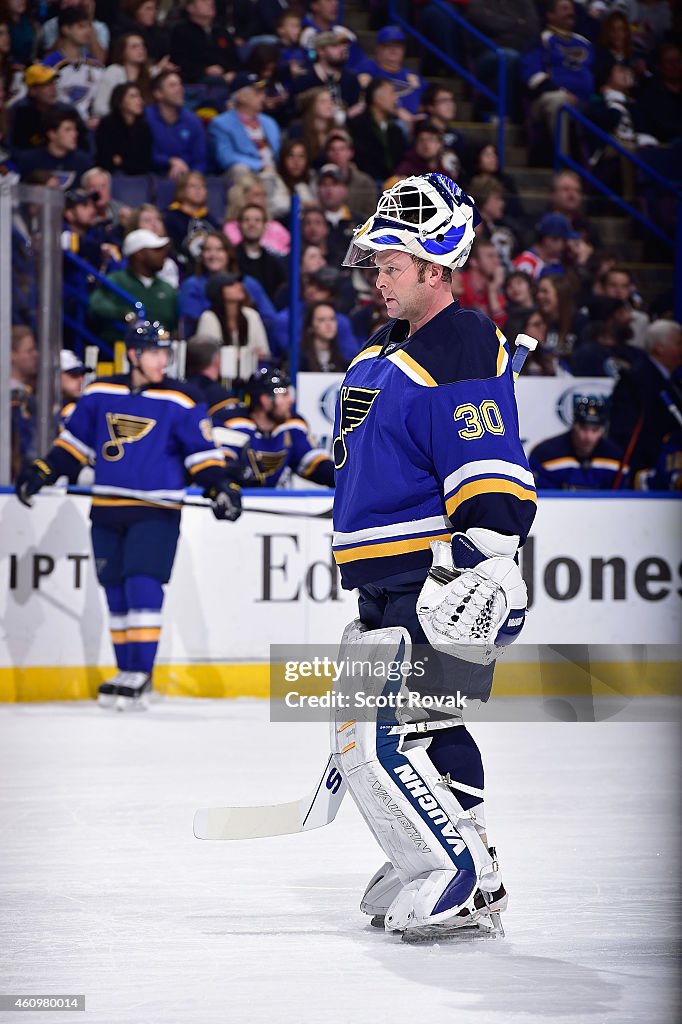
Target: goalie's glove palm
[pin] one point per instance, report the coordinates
(472, 611)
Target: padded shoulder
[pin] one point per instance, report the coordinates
(460, 344)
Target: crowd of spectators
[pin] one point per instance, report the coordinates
(206, 118)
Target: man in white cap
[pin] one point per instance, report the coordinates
(72, 371)
(145, 253)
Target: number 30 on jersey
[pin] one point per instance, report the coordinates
(479, 419)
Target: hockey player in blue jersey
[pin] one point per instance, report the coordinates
(433, 498)
(144, 432)
(581, 459)
(269, 439)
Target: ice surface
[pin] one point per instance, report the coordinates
(104, 890)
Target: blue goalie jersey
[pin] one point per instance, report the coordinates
(143, 445)
(426, 442)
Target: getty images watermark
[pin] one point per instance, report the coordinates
(534, 683)
(361, 671)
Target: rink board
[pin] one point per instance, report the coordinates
(601, 570)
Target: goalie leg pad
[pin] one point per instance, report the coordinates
(431, 841)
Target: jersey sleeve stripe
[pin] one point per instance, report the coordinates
(207, 453)
(388, 548)
(491, 485)
(220, 462)
(412, 369)
(312, 463)
(222, 405)
(487, 467)
(604, 463)
(72, 450)
(367, 353)
(82, 447)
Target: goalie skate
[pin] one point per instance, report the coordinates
(480, 918)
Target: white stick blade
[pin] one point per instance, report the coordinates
(247, 822)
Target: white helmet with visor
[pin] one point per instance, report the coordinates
(427, 216)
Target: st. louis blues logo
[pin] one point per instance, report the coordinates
(124, 430)
(265, 464)
(354, 406)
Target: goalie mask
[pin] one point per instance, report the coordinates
(427, 216)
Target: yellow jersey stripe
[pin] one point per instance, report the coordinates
(116, 502)
(398, 547)
(410, 364)
(313, 464)
(489, 486)
(222, 405)
(366, 353)
(205, 464)
(118, 636)
(562, 462)
(60, 443)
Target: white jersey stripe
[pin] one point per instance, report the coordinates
(79, 445)
(487, 467)
(210, 453)
(416, 526)
(314, 453)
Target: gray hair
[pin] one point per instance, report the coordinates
(91, 172)
(660, 333)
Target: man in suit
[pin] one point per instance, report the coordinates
(640, 417)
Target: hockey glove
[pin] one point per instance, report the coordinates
(30, 479)
(473, 603)
(226, 500)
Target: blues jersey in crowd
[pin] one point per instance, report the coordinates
(288, 448)
(555, 464)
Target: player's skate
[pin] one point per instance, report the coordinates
(108, 691)
(382, 889)
(483, 915)
(133, 692)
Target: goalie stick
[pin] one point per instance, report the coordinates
(313, 811)
(320, 807)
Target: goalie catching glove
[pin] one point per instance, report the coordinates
(473, 602)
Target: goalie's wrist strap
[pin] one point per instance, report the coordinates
(424, 727)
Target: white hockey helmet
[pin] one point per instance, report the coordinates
(428, 216)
